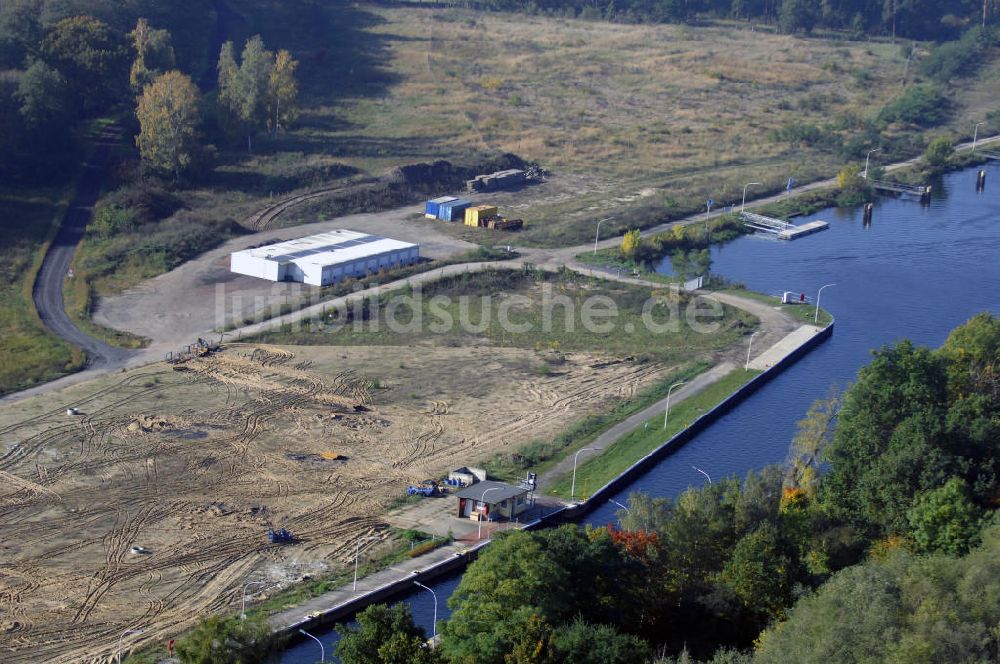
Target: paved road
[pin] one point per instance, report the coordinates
(695, 386)
(566, 255)
(102, 357)
(47, 291)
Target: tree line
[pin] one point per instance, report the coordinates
(915, 19)
(877, 541)
(58, 74)
(259, 93)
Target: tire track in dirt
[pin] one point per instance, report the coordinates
(558, 397)
(199, 559)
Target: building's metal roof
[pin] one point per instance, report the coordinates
(329, 248)
(501, 491)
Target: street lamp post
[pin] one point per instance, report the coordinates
(749, 348)
(118, 653)
(598, 233)
(615, 502)
(482, 499)
(243, 604)
(611, 500)
(867, 157)
(818, 294)
(975, 135)
(434, 629)
(572, 490)
(666, 413)
(703, 473)
(322, 650)
(744, 203)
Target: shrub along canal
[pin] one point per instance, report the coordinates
(915, 272)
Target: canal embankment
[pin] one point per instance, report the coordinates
(340, 604)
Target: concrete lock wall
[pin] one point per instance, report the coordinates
(573, 513)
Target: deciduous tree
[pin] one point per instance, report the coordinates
(20, 31)
(283, 92)
(45, 105)
(973, 354)
(944, 520)
(153, 55)
(762, 571)
(631, 243)
(797, 15)
(939, 152)
(90, 57)
(245, 90)
(888, 443)
(815, 431)
(168, 119)
(384, 635)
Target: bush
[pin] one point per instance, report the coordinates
(958, 58)
(923, 105)
(849, 178)
(228, 641)
(631, 242)
(421, 549)
(147, 201)
(111, 220)
(938, 153)
(801, 133)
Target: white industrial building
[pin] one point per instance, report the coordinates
(324, 259)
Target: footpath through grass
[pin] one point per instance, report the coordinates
(620, 455)
(805, 313)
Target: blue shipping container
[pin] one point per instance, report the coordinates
(453, 210)
(432, 206)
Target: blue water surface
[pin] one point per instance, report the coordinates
(916, 272)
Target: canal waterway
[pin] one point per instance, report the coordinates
(915, 272)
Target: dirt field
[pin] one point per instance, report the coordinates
(195, 465)
(203, 294)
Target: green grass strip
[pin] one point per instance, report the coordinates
(620, 455)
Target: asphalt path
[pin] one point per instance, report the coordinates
(103, 358)
(47, 291)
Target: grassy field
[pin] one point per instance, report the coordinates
(639, 123)
(636, 121)
(29, 354)
(598, 471)
(525, 309)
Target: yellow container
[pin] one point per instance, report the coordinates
(476, 216)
